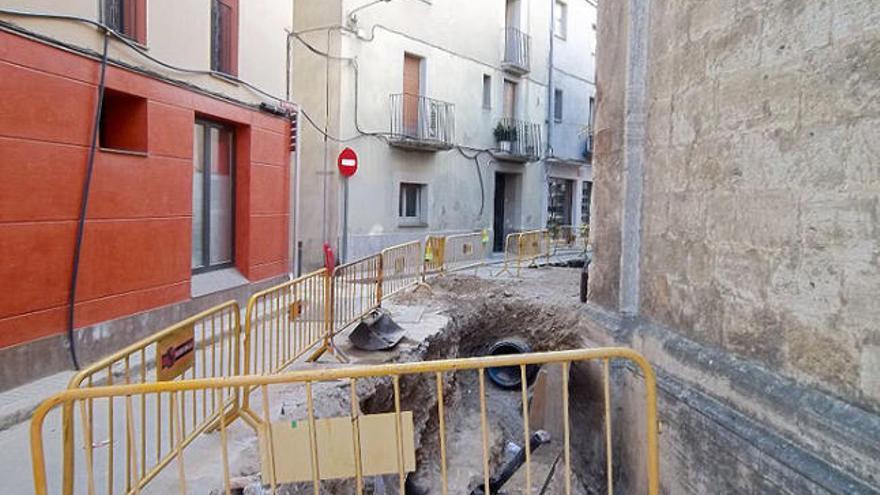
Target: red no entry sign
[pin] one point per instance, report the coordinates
(347, 162)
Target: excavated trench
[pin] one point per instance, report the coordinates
(479, 314)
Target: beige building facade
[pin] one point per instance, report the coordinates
(422, 91)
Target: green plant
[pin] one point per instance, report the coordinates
(504, 132)
(500, 132)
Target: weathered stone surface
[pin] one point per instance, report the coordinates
(760, 226)
(762, 181)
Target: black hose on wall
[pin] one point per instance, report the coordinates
(84, 203)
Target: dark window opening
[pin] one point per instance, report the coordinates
(213, 234)
(224, 36)
(586, 197)
(123, 123)
(412, 204)
(559, 204)
(487, 91)
(127, 17)
(557, 105)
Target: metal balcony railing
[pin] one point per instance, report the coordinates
(518, 139)
(588, 146)
(421, 122)
(517, 48)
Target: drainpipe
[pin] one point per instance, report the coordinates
(296, 259)
(550, 86)
(550, 106)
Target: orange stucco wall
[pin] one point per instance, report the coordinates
(136, 251)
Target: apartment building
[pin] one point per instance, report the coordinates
(175, 199)
(465, 116)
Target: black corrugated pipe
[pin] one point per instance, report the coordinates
(84, 203)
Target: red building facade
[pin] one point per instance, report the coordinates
(137, 252)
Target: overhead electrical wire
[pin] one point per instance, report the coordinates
(140, 51)
(109, 33)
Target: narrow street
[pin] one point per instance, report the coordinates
(393, 247)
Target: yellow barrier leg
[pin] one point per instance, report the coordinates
(329, 347)
(67, 441)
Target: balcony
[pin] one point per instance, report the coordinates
(517, 140)
(588, 146)
(517, 48)
(422, 124)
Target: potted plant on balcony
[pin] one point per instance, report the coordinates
(505, 135)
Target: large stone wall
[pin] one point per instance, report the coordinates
(608, 154)
(760, 231)
(752, 280)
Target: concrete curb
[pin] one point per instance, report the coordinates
(17, 405)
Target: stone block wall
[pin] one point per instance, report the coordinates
(760, 233)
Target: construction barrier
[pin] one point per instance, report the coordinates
(569, 237)
(562, 236)
(356, 290)
(401, 268)
(355, 445)
(465, 251)
(205, 346)
(282, 323)
(435, 250)
(525, 247)
(285, 321)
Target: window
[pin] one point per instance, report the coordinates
(487, 91)
(411, 207)
(587, 193)
(213, 193)
(561, 24)
(127, 17)
(557, 105)
(559, 204)
(123, 125)
(224, 36)
(592, 111)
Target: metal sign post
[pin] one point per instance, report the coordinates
(345, 181)
(348, 165)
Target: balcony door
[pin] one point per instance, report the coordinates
(509, 99)
(412, 90)
(511, 14)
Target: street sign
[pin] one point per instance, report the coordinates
(347, 162)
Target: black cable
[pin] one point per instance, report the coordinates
(84, 203)
(317, 51)
(108, 31)
(476, 160)
(482, 187)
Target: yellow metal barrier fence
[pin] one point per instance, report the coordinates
(569, 237)
(525, 247)
(435, 251)
(285, 321)
(207, 345)
(351, 446)
(297, 315)
(356, 291)
(465, 251)
(401, 268)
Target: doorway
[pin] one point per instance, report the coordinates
(498, 221)
(412, 91)
(508, 109)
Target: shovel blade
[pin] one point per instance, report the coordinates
(377, 332)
